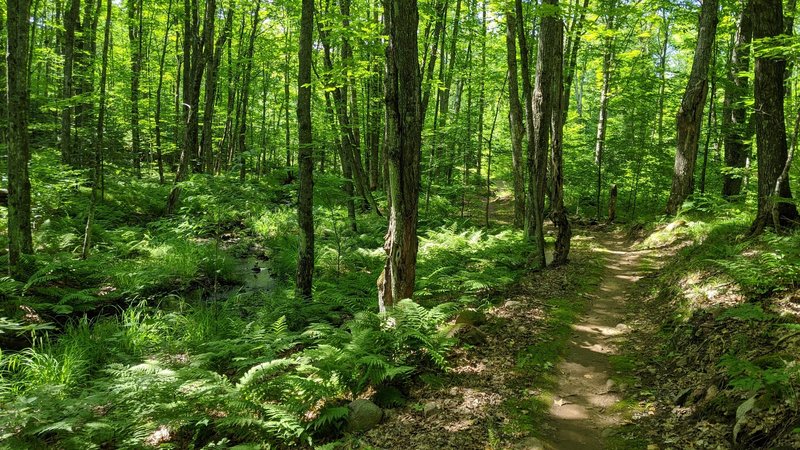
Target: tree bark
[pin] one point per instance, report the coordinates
(769, 120)
(20, 241)
(404, 136)
(159, 89)
(213, 59)
(545, 98)
(690, 114)
(135, 38)
(515, 120)
(97, 166)
(71, 20)
(734, 116)
(554, 31)
(305, 217)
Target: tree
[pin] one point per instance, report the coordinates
(605, 92)
(20, 241)
(515, 120)
(734, 118)
(690, 114)
(553, 33)
(769, 94)
(403, 141)
(305, 217)
(135, 38)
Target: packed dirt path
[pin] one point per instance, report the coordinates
(495, 394)
(583, 401)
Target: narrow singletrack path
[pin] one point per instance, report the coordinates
(584, 399)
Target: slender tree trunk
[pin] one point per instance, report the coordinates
(404, 136)
(441, 14)
(159, 88)
(193, 68)
(209, 101)
(662, 74)
(573, 46)
(98, 143)
(19, 152)
(690, 115)
(602, 120)
(712, 114)
(769, 119)
(245, 94)
(527, 95)
(515, 120)
(734, 116)
(552, 28)
(71, 20)
(305, 216)
(135, 38)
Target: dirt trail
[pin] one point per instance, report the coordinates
(488, 398)
(583, 400)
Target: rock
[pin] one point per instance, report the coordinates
(472, 317)
(430, 408)
(531, 443)
(364, 415)
(611, 385)
(511, 304)
(472, 335)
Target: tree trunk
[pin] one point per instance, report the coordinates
(690, 114)
(305, 217)
(19, 153)
(71, 20)
(244, 98)
(545, 99)
(515, 121)
(193, 68)
(98, 143)
(769, 119)
(734, 116)
(527, 95)
(552, 29)
(404, 136)
(159, 88)
(602, 120)
(213, 58)
(135, 38)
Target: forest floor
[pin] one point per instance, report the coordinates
(538, 373)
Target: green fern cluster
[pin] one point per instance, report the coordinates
(205, 377)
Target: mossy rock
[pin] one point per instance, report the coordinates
(364, 416)
(472, 317)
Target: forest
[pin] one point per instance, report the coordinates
(399, 224)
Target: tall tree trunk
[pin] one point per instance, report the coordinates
(573, 45)
(245, 93)
(135, 38)
(515, 120)
(19, 152)
(527, 94)
(769, 119)
(734, 116)
(193, 68)
(554, 32)
(159, 88)
(404, 136)
(545, 99)
(441, 14)
(305, 217)
(214, 56)
(690, 115)
(444, 98)
(602, 120)
(71, 20)
(662, 75)
(97, 165)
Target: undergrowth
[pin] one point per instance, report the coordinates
(153, 340)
